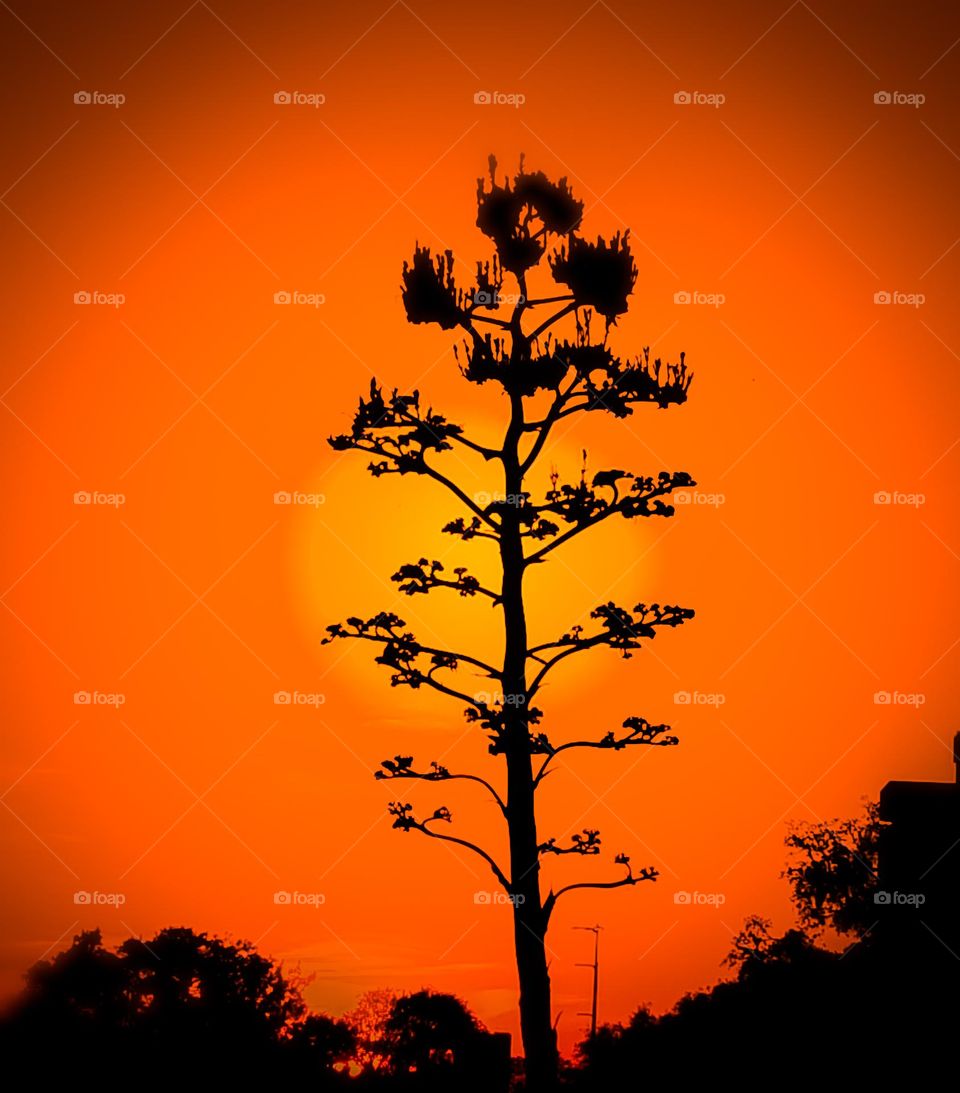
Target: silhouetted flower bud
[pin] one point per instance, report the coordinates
(429, 292)
(600, 275)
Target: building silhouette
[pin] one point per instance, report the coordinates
(918, 899)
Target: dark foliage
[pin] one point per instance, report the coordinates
(877, 1008)
(191, 1011)
(833, 872)
(188, 1002)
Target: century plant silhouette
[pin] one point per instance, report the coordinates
(545, 380)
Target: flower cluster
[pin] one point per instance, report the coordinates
(600, 275)
(520, 217)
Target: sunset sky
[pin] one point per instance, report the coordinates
(803, 201)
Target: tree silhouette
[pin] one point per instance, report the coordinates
(833, 872)
(368, 1020)
(434, 1039)
(318, 1044)
(188, 1002)
(545, 380)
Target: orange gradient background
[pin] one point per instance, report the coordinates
(199, 198)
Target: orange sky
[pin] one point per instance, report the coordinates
(197, 199)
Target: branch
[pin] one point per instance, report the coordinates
(622, 630)
(584, 505)
(554, 318)
(487, 319)
(451, 692)
(459, 494)
(468, 531)
(401, 652)
(586, 843)
(562, 397)
(544, 427)
(378, 429)
(404, 820)
(641, 733)
(401, 767)
(589, 403)
(421, 576)
(588, 643)
(457, 437)
(487, 453)
(647, 873)
(411, 645)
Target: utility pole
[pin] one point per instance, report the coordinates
(595, 930)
